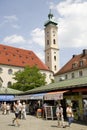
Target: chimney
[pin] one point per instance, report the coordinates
(73, 56)
(85, 52)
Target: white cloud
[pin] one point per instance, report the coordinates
(37, 36)
(14, 39)
(11, 18)
(72, 23)
(15, 26)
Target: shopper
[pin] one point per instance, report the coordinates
(16, 110)
(59, 114)
(23, 112)
(70, 115)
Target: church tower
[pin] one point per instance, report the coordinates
(51, 44)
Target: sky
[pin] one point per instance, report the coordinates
(22, 25)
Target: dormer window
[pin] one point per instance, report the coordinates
(4, 48)
(74, 65)
(81, 63)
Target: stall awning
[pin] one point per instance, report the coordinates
(37, 96)
(80, 90)
(6, 97)
(30, 97)
(22, 97)
(58, 95)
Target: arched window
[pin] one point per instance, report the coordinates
(10, 71)
(1, 70)
(55, 58)
(9, 84)
(44, 74)
(50, 76)
(54, 42)
(47, 42)
(47, 58)
(55, 67)
(1, 81)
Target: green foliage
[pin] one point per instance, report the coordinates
(28, 79)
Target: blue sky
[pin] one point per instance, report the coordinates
(22, 25)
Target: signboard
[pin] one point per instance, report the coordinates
(50, 112)
(57, 96)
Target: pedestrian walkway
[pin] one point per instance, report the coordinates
(33, 123)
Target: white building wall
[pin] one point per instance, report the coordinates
(69, 75)
(49, 76)
(9, 77)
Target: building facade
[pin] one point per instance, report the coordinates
(76, 67)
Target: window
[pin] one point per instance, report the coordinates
(74, 65)
(81, 63)
(47, 58)
(66, 76)
(9, 84)
(1, 70)
(47, 34)
(44, 74)
(80, 73)
(55, 67)
(55, 58)
(10, 71)
(20, 56)
(54, 42)
(72, 75)
(53, 33)
(47, 42)
(50, 76)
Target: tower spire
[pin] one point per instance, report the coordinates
(50, 15)
(50, 19)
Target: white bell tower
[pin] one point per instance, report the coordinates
(51, 44)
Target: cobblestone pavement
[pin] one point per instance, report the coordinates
(33, 123)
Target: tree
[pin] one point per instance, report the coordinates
(28, 79)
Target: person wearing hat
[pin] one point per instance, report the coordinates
(59, 114)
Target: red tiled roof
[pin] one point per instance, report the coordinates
(74, 63)
(19, 57)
